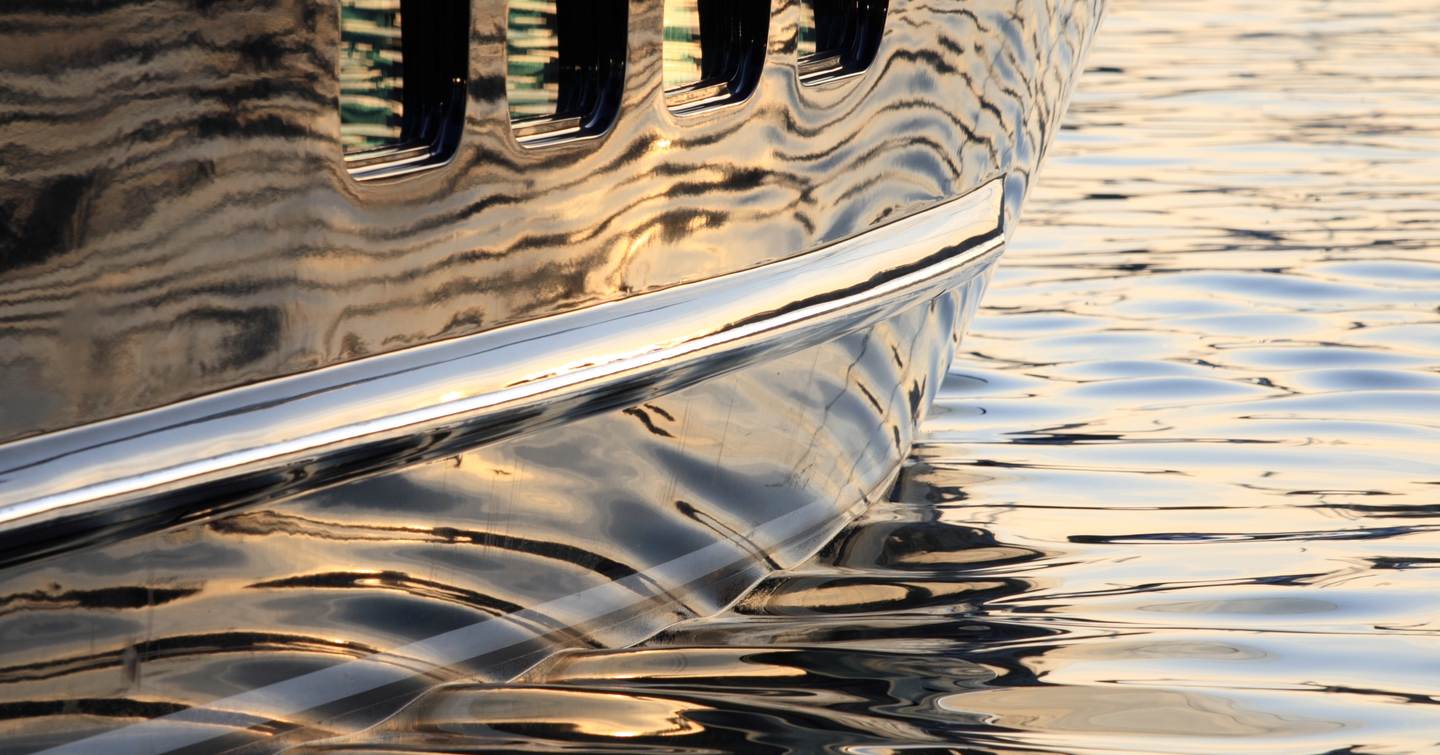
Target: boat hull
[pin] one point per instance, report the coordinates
(320, 614)
(281, 449)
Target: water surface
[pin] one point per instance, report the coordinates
(1181, 490)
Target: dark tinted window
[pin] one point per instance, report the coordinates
(403, 65)
(713, 50)
(565, 66)
(838, 37)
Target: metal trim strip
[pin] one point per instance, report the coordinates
(318, 428)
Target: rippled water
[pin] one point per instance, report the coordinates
(1181, 491)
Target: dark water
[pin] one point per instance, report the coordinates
(1181, 493)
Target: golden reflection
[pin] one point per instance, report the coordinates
(667, 663)
(1135, 712)
(593, 713)
(800, 595)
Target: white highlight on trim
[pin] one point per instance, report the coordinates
(303, 417)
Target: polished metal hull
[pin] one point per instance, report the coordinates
(282, 451)
(319, 613)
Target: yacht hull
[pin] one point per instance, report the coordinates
(281, 448)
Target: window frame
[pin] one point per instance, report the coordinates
(731, 61)
(850, 43)
(593, 43)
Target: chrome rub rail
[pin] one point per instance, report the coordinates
(285, 436)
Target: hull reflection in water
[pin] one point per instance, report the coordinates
(865, 645)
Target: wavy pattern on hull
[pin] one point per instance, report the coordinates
(175, 217)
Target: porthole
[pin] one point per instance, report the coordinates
(838, 37)
(565, 67)
(713, 51)
(402, 83)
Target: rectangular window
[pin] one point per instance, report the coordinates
(532, 46)
(713, 50)
(682, 49)
(372, 74)
(838, 37)
(403, 65)
(565, 66)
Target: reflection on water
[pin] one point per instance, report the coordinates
(1181, 491)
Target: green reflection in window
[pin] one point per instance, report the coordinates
(809, 37)
(682, 43)
(532, 82)
(371, 74)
